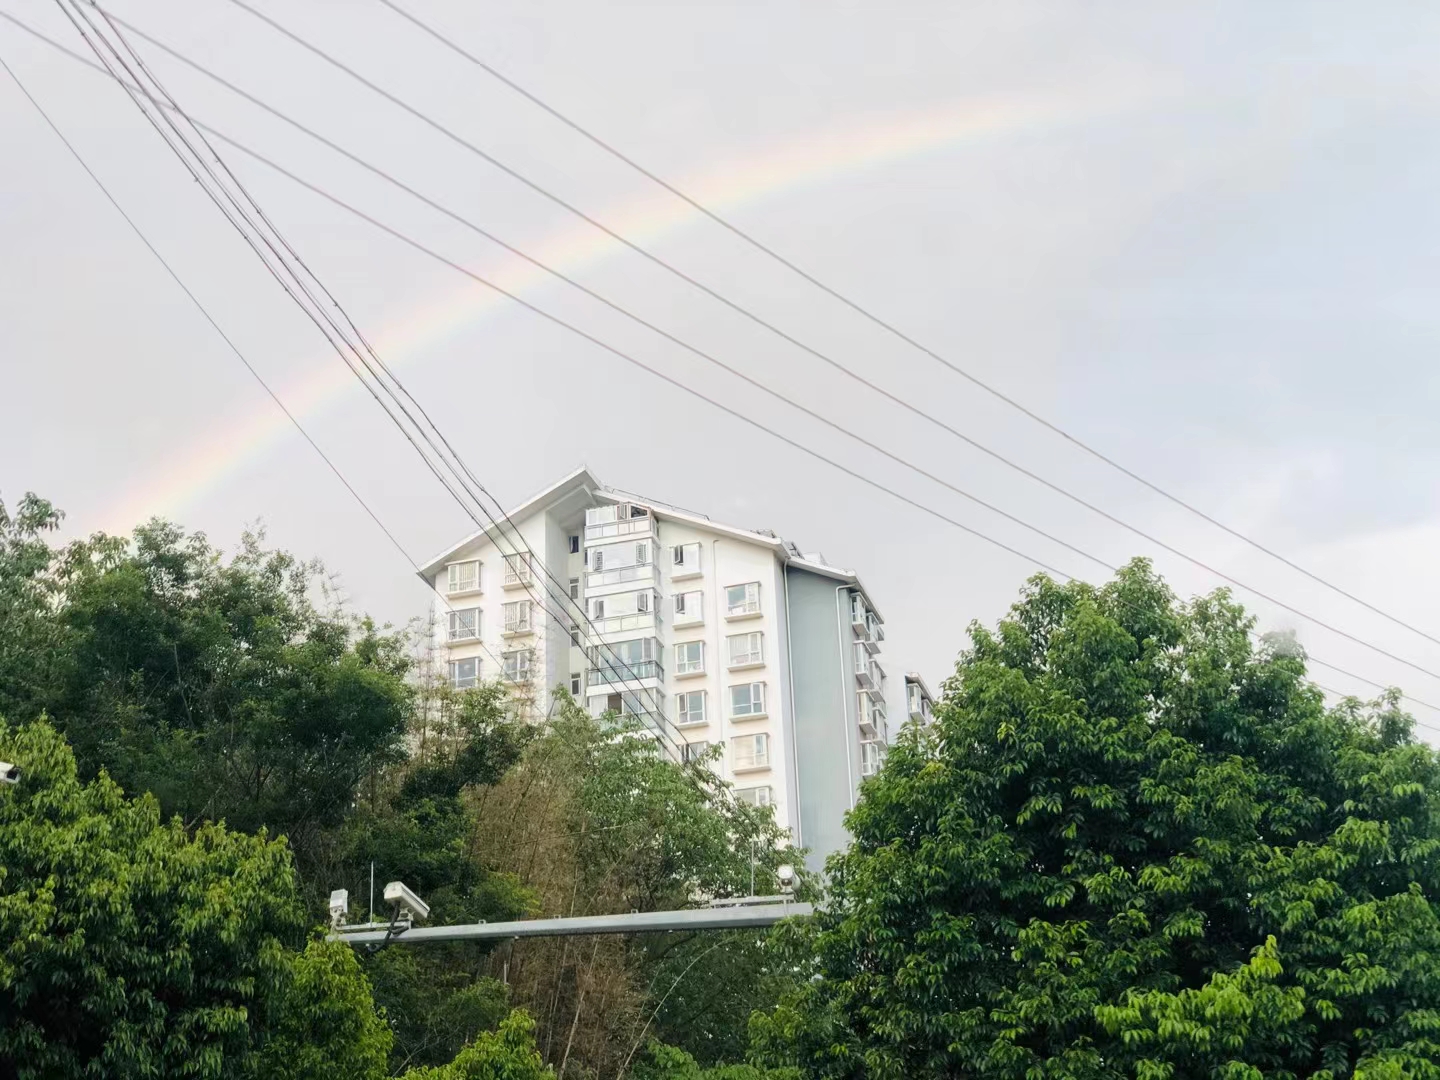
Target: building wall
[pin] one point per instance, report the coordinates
(729, 561)
(826, 735)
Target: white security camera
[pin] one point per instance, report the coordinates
(339, 907)
(9, 773)
(406, 903)
(785, 874)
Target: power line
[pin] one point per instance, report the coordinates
(229, 342)
(869, 315)
(367, 358)
(677, 383)
(869, 384)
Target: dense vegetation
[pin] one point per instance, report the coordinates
(212, 743)
(1135, 843)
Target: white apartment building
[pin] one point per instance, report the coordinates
(733, 636)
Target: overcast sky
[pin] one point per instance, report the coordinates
(1202, 238)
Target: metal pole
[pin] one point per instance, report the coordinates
(739, 917)
(372, 891)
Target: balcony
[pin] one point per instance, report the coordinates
(859, 616)
(622, 519)
(518, 620)
(517, 575)
(864, 667)
(874, 633)
(609, 675)
(616, 624)
(872, 720)
(597, 578)
(872, 756)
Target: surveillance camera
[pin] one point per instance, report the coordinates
(339, 906)
(407, 903)
(9, 773)
(785, 873)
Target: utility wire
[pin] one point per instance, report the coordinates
(869, 384)
(877, 320)
(674, 382)
(314, 310)
(229, 342)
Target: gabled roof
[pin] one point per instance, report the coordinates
(581, 480)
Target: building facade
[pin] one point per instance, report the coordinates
(710, 634)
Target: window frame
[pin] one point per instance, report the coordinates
(517, 605)
(756, 657)
(759, 757)
(450, 624)
(680, 666)
(474, 679)
(749, 606)
(683, 712)
(450, 568)
(749, 688)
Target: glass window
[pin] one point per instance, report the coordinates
(689, 607)
(517, 665)
(575, 681)
(575, 545)
(747, 700)
(574, 588)
(689, 657)
(755, 796)
(743, 599)
(690, 708)
(464, 624)
(518, 570)
(517, 616)
(685, 558)
(465, 673)
(746, 648)
(464, 577)
(693, 751)
(751, 751)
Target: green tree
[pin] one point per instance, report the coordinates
(31, 638)
(1134, 843)
(131, 947)
(505, 1054)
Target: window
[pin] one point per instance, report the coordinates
(517, 664)
(575, 545)
(575, 636)
(751, 751)
(575, 683)
(746, 649)
(742, 600)
(684, 560)
(755, 796)
(747, 700)
(518, 570)
(597, 608)
(465, 673)
(464, 624)
(872, 756)
(690, 708)
(693, 751)
(517, 617)
(574, 588)
(464, 577)
(689, 657)
(642, 553)
(689, 608)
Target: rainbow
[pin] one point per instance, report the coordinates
(187, 475)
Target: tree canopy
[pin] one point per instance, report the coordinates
(1135, 842)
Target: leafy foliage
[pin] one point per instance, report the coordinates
(1133, 844)
(506, 1054)
(129, 947)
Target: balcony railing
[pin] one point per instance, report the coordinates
(628, 527)
(615, 577)
(858, 616)
(872, 756)
(609, 675)
(864, 667)
(640, 620)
